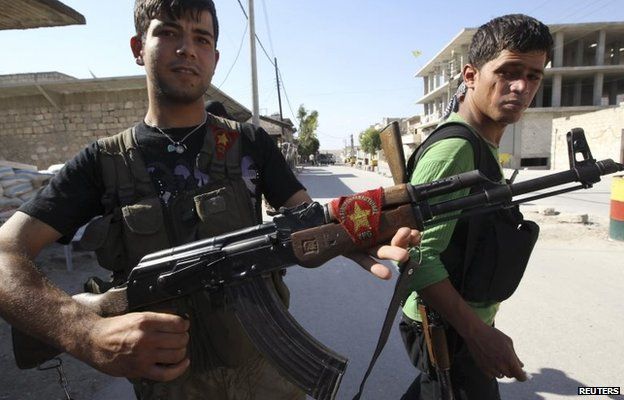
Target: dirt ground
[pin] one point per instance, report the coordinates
(84, 381)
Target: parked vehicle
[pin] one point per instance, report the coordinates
(326, 159)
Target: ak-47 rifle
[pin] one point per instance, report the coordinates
(307, 235)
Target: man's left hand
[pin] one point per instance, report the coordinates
(397, 251)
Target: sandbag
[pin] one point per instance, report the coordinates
(6, 172)
(19, 189)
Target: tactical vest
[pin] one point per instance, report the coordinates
(136, 223)
(487, 253)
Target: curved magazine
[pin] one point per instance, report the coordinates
(299, 357)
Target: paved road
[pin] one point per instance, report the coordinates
(566, 319)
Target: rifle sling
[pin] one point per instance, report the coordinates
(401, 291)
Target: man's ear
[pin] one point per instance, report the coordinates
(469, 73)
(136, 44)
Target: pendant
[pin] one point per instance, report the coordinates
(177, 148)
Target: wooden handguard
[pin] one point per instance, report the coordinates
(316, 246)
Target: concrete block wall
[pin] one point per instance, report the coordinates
(33, 131)
(535, 132)
(603, 130)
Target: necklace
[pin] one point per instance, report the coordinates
(179, 146)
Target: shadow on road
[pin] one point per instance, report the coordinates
(322, 183)
(548, 380)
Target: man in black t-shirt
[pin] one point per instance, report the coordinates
(176, 43)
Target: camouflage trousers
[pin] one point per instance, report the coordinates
(255, 380)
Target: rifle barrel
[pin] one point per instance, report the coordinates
(586, 174)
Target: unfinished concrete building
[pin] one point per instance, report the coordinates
(583, 85)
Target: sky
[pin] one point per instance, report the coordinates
(351, 60)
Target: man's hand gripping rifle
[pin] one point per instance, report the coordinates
(307, 235)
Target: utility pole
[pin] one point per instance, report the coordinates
(352, 149)
(255, 118)
(279, 96)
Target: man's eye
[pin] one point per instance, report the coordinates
(507, 74)
(534, 77)
(203, 40)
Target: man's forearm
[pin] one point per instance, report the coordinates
(445, 299)
(30, 302)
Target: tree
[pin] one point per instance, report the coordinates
(370, 140)
(308, 122)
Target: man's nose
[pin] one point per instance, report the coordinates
(185, 47)
(519, 85)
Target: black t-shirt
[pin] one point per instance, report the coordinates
(73, 196)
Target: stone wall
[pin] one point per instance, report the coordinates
(34, 77)
(603, 130)
(532, 136)
(33, 131)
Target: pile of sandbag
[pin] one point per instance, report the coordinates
(18, 186)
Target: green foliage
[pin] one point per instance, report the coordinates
(309, 147)
(308, 122)
(370, 141)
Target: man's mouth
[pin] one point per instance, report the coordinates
(513, 104)
(185, 70)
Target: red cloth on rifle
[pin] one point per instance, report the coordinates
(359, 214)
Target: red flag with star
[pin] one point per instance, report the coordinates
(224, 139)
(359, 214)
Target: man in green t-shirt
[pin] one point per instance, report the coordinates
(507, 57)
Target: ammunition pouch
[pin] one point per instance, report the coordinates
(489, 265)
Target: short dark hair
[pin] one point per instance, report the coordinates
(514, 32)
(146, 10)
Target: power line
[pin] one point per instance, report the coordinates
(292, 114)
(256, 35)
(266, 21)
(240, 47)
(270, 59)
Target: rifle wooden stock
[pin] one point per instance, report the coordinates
(30, 352)
(437, 347)
(392, 146)
(316, 246)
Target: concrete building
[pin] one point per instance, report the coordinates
(584, 79)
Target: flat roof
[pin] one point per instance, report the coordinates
(135, 82)
(572, 31)
(25, 14)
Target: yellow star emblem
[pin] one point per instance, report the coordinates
(222, 139)
(359, 218)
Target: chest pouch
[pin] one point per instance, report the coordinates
(120, 239)
(212, 210)
(497, 252)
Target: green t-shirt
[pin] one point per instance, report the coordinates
(442, 159)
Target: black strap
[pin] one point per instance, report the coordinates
(401, 291)
(447, 131)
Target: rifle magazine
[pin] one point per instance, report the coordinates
(299, 357)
